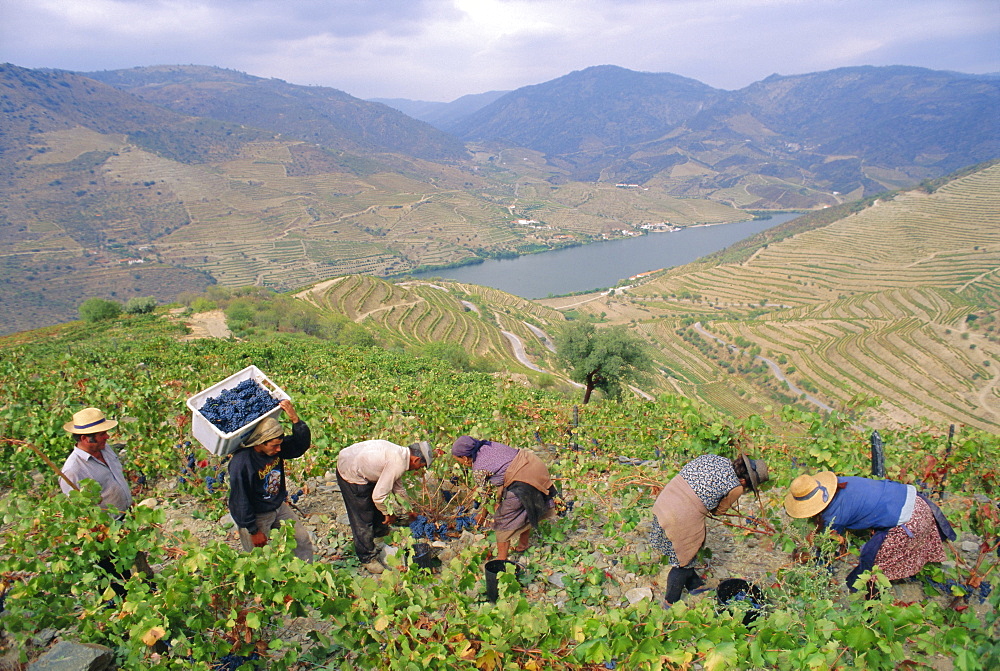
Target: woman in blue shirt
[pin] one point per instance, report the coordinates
(908, 528)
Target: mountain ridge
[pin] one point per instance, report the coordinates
(105, 190)
(324, 115)
(940, 122)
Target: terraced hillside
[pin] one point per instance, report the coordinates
(899, 302)
(486, 323)
(109, 218)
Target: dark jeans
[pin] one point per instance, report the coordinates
(119, 578)
(366, 520)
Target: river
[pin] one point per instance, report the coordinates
(603, 264)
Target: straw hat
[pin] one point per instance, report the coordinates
(810, 494)
(757, 470)
(89, 420)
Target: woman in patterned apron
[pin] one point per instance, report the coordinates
(705, 485)
(908, 528)
(527, 491)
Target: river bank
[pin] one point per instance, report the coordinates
(601, 265)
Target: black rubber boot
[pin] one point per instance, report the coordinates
(676, 581)
(694, 581)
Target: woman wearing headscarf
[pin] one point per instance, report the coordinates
(908, 528)
(527, 491)
(706, 485)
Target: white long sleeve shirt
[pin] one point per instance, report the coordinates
(115, 490)
(378, 461)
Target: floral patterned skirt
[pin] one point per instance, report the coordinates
(902, 556)
(659, 541)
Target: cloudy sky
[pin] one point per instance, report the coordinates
(442, 49)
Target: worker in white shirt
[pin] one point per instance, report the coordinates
(367, 472)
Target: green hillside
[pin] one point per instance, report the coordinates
(415, 313)
(211, 600)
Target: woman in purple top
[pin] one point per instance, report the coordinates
(527, 490)
(908, 528)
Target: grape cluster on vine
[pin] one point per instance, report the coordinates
(464, 522)
(982, 592)
(192, 467)
(236, 407)
(423, 528)
(233, 662)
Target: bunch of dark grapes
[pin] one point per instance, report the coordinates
(982, 592)
(236, 407)
(233, 662)
(463, 520)
(423, 528)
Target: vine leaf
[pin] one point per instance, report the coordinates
(488, 660)
(723, 656)
(153, 635)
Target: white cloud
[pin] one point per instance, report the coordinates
(442, 49)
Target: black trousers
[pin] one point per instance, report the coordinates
(678, 579)
(366, 520)
(119, 578)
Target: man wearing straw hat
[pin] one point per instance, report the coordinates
(367, 472)
(93, 459)
(257, 489)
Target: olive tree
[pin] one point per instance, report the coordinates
(98, 309)
(140, 305)
(604, 359)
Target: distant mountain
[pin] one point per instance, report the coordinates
(317, 114)
(36, 101)
(104, 191)
(155, 181)
(775, 143)
(599, 109)
(442, 115)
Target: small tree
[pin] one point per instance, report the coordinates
(452, 354)
(604, 359)
(140, 306)
(98, 309)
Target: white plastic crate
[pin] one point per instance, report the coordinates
(209, 435)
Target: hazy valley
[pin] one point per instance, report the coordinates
(164, 181)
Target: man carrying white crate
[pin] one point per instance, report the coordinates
(257, 482)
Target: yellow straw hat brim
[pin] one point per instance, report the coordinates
(810, 494)
(88, 421)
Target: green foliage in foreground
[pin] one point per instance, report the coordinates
(209, 600)
(214, 601)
